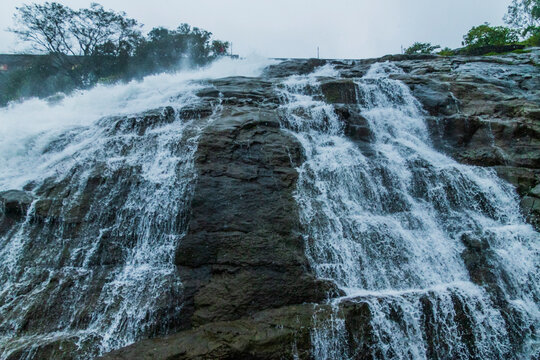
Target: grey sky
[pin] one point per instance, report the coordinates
(294, 28)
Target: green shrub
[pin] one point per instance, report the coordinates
(421, 48)
(486, 35)
(446, 52)
(534, 39)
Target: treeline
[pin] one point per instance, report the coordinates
(93, 45)
(523, 20)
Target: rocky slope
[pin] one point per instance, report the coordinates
(482, 111)
(247, 288)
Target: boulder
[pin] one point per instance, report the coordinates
(14, 204)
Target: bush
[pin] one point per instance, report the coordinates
(421, 48)
(40, 79)
(534, 39)
(446, 52)
(486, 35)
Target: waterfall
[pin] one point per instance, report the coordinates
(91, 267)
(433, 255)
(396, 224)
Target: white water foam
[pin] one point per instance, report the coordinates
(94, 286)
(387, 227)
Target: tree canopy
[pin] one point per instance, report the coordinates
(524, 15)
(54, 28)
(486, 35)
(421, 48)
(93, 45)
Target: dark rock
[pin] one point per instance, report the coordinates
(273, 334)
(434, 95)
(531, 209)
(339, 91)
(244, 226)
(294, 67)
(14, 204)
(58, 350)
(477, 257)
(283, 333)
(483, 50)
(523, 179)
(141, 123)
(197, 111)
(360, 339)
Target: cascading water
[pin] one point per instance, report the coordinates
(397, 225)
(91, 267)
(436, 251)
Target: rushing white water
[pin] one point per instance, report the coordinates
(390, 227)
(91, 286)
(26, 128)
(394, 223)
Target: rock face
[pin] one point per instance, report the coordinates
(486, 112)
(241, 286)
(244, 244)
(482, 111)
(283, 333)
(13, 207)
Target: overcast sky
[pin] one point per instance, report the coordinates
(294, 28)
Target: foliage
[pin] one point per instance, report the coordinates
(446, 52)
(41, 79)
(486, 35)
(533, 39)
(59, 30)
(421, 48)
(94, 45)
(164, 49)
(524, 15)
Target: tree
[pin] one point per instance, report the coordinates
(421, 48)
(219, 48)
(93, 45)
(45, 27)
(95, 27)
(486, 35)
(524, 15)
(57, 29)
(165, 49)
(446, 52)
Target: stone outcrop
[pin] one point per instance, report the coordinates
(272, 334)
(244, 243)
(283, 333)
(14, 205)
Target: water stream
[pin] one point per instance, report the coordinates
(437, 251)
(390, 222)
(91, 268)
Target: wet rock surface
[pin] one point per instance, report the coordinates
(243, 252)
(246, 289)
(484, 111)
(481, 110)
(14, 205)
(284, 333)
(236, 266)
